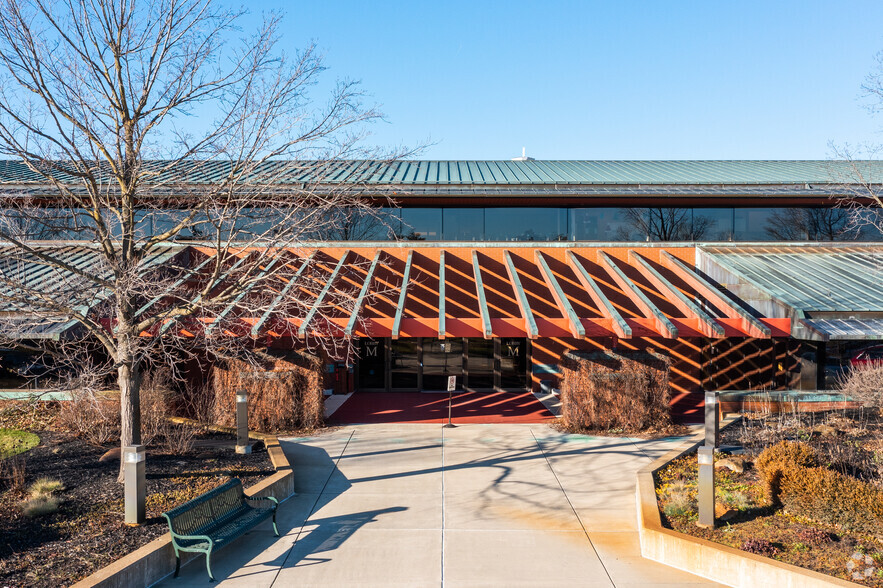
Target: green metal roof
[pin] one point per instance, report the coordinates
(504, 173)
(25, 276)
(810, 278)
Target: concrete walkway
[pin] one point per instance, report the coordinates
(478, 505)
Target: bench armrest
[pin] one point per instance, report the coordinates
(270, 498)
(206, 538)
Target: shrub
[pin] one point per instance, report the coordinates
(605, 391)
(864, 383)
(679, 500)
(761, 547)
(284, 393)
(90, 414)
(775, 459)
(38, 507)
(155, 395)
(794, 480)
(814, 537)
(737, 499)
(45, 487)
(12, 470)
(177, 439)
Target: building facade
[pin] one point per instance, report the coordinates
(745, 275)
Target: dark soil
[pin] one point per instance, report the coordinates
(87, 532)
(824, 548)
(652, 432)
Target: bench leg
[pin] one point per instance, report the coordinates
(208, 566)
(177, 564)
(275, 529)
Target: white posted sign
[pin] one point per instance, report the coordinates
(452, 383)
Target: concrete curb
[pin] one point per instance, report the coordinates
(156, 560)
(707, 559)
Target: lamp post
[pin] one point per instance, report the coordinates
(134, 485)
(706, 460)
(242, 444)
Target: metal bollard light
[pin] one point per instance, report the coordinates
(242, 444)
(706, 460)
(712, 419)
(135, 485)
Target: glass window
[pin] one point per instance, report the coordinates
(604, 224)
(358, 224)
(463, 224)
(404, 363)
(754, 224)
(526, 224)
(712, 224)
(480, 362)
(440, 360)
(422, 224)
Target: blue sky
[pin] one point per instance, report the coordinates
(605, 80)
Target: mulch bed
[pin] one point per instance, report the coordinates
(87, 532)
(744, 517)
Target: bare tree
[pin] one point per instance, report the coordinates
(667, 224)
(810, 224)
(860, 181)
(146, 122)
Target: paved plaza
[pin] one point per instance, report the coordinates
(477, 505)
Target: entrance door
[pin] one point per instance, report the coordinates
(513, 364)
(440, 360)
(404, 364)
(372, 364)
(480, 364)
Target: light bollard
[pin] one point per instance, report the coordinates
(242, 444)
(706, 461)
(134, 484)
(712, 419)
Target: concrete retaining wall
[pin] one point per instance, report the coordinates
(156, 560)
(714, 561)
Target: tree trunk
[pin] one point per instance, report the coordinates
(129, 380)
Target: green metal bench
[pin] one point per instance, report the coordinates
(214, 520)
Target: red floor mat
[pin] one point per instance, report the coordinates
(415, 407)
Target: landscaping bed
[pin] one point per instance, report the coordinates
(87, 530)
(848, 445)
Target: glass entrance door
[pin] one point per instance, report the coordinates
(372, 364)
(513, 364)
(404, 364)
(480, 364)
(440, 360)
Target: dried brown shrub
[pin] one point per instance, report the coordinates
(284, 393)
(13, 472)
(820, 494)
(864, 382)
(605, 390)
(156, 395)
(91, 413)
(774, 460)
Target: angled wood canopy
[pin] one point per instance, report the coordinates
(708, 326)
(441, 294)
(357, 307)
(282, 294)
(530, 325)
(748, 323)
(403, 296)
(302, 331)
(487, 330)
(576, 326)
(518, 297)
(663, 326)
(620, 327)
